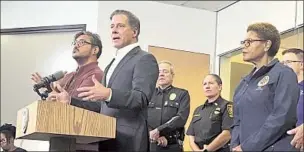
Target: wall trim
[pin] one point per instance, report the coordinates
(44, 29)
(227, 6)
(213, 61)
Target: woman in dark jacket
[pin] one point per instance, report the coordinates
(265, 101)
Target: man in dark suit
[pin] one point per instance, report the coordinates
(126, 88)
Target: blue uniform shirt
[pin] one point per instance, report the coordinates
(300, 104)
(265, 105)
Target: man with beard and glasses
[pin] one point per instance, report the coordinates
(87, 50)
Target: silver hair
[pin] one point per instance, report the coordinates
(170, 64)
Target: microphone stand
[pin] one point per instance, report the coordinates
(44, 94)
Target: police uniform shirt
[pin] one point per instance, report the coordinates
(210, 119)
(168, 109)
(265, 108)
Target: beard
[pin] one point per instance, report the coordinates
(77, 57)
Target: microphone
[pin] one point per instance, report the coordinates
(49, 79)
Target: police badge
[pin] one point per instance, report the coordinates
(172, 96)
(263, 81)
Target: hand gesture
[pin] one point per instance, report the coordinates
(61, 96)
(36, 77)
(96, 92)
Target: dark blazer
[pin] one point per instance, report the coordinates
(132, 83)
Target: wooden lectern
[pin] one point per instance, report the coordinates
(63, 125)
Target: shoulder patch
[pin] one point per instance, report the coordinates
(230, 110)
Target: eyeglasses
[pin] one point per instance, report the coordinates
(81, 43)
(289, 61)
(247, 43)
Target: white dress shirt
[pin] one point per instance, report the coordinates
(120, 54)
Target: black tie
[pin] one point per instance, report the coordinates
(106, 71)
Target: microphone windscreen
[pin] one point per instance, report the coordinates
(58, 75)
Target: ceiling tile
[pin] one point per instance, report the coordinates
(208, 5)
(173, 2)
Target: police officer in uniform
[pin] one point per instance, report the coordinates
(209, 129)
(168, 112)
(266, 99)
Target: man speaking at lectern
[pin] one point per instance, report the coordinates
(126, 88)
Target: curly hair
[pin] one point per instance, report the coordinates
(95, 40)
(8, 130)
(267, 31)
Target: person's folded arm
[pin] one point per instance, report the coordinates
(88, 105)
(193, 145)
(223, 138)
(179, 120)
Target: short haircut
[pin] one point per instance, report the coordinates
(217, 78)
(298, 52)
(169, 63)
(8, 130)
(267, 31)
(132, 20)
(94, 38)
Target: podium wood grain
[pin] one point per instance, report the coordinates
(54, 119)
